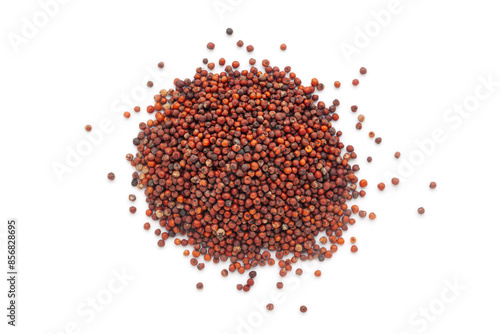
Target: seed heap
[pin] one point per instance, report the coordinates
(238, 164)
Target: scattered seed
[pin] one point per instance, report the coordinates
(240, 43)
(298, 271)
(371, 134)
(239, 287)
(200, 266)
(354, 248)
(161, 64)
(359, 126)
(395, 181)
(433, 185)
(381, 186)
(137, 108)
(354, 108)
(361, 118)
(161, 243)
(199, 286)
(320, 87)
(88, 128)
(279, 285)
(224, 273)
(421, 210)
(235, 64)
(126, 114)
(252, 61)
(250, 48)
(131, 197)
(378, 140)
(317, 273)
(111, 176)
(362, 214)
(205, 61)
(222, 61)
(210, 46)
(369, 159)
(397, 155)
(372, 216)
(270, 307)
(337, 84)
(355, 82)
(229, 31)
(283, 47)
(363, 183)
(132, 209)
(147, 226)
(252, 274)
(362, 70)
(303, 309)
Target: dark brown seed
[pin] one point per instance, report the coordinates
(362, 70)
(303, 309)
(252, 274)
(279, 285)
(199, 286)
(210, 46)
(205, 61)
(132, 197)
(395, 181)
(421, 210)
(88, 128)
(378, 140)
(270, 307)
(397, 155)
(229, 31)
(433, 185)
(150, 84)
(111, 176)
(161, 64)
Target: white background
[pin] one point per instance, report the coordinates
(75, 232)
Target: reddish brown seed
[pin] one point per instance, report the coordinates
(283, 47)
(222, 61)
(205, 61)
(363, 183)
(199, 286)
(126, 114)
(250, 48)
(270, 307)
(362, 70)
(235, 64)
(337, 84)
(132, 209)
(353, 240)
(354, 108)
(240, 43)
(372, 216)
(150, 84)
(111, 176)
(200, 266)
(303, 309)
(88, 128)
(320, 86)
(397, 155)
(433, 185)
(211, 66)
(421, 210)
(137, 108)
(224, 273)
(354, 248)
(317, 273)
(298, 271)
(210, 46)
(161, 243)
(378, 140)
(252, 61)
(359, 126)
(246, 287)
(131, 197)
(185, 253)
(252, 274)
(279, 285)
(314, 82)
(147, 226)
(381, 186)
(371, 134)
(161, 64)
(239, 287)
(362, 214)
(361, 118)
(395, 181)
(355, 82)
(369, 159)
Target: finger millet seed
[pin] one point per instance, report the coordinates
(229, 31)
(147, 226)
(354, 108)
(378, 140)
(421, 210)
(353, 240)
(381, 186)
(317, 273)
(395, 181)
(150, 84)
(126, 114)
(240, 43)
(433, 185)
(359, 126)
(355, 82)
(361, 118)
(205, 61)
(88, 128)
(397, 155)
(303, 309)
(242, 165)
(137, 108)
(372, 216)
(337, 84)
(199, 286)
(279, 285)
(362, 70)
(111, 176)
(369, 159)
(132, 197)
(250, 48)
(298, 271)
(270, 307)
(362, 214)
(161, 64)
(371, 134)
(354, 248)
(132, 209)
(222, 61)
(283, 47)
(210, 46)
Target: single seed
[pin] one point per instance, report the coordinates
(337, 84)
(279, 285)
(354, 248)
(363, 183)
(320, 86)
(111, 176)
(224, 273)
(359, 126)
(361, 118)
(317, 273)
(381, 186)
(210, 46)
(397, 155)
(126, 114)
(369, 159)
(240, 43)
(250, 48)
(132, 209)
(88, 128)
(252, 274)
(185, 253)
(205, 61)
(378, 140)
(433, 185)
(200, 266)
(270, 307)
(371, 134)
(421, 210)
(395, 181)
(161, 243)
(353, 240)
(283, 47)
(199, 286)
(235, 64)
(355, 82)
(362, 70)
(372, 216)
(252, 61)
(303, 309)
(229, 31)
(239, 287)
(161, 64)
(298, 271)
(147, 226)
(131, 197)
(137, 108)
(150, 84)
(354, 108)
(222, 61)
(362, 214)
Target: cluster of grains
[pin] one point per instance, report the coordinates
(245, 166)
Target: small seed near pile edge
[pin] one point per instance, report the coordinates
(111, 176)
